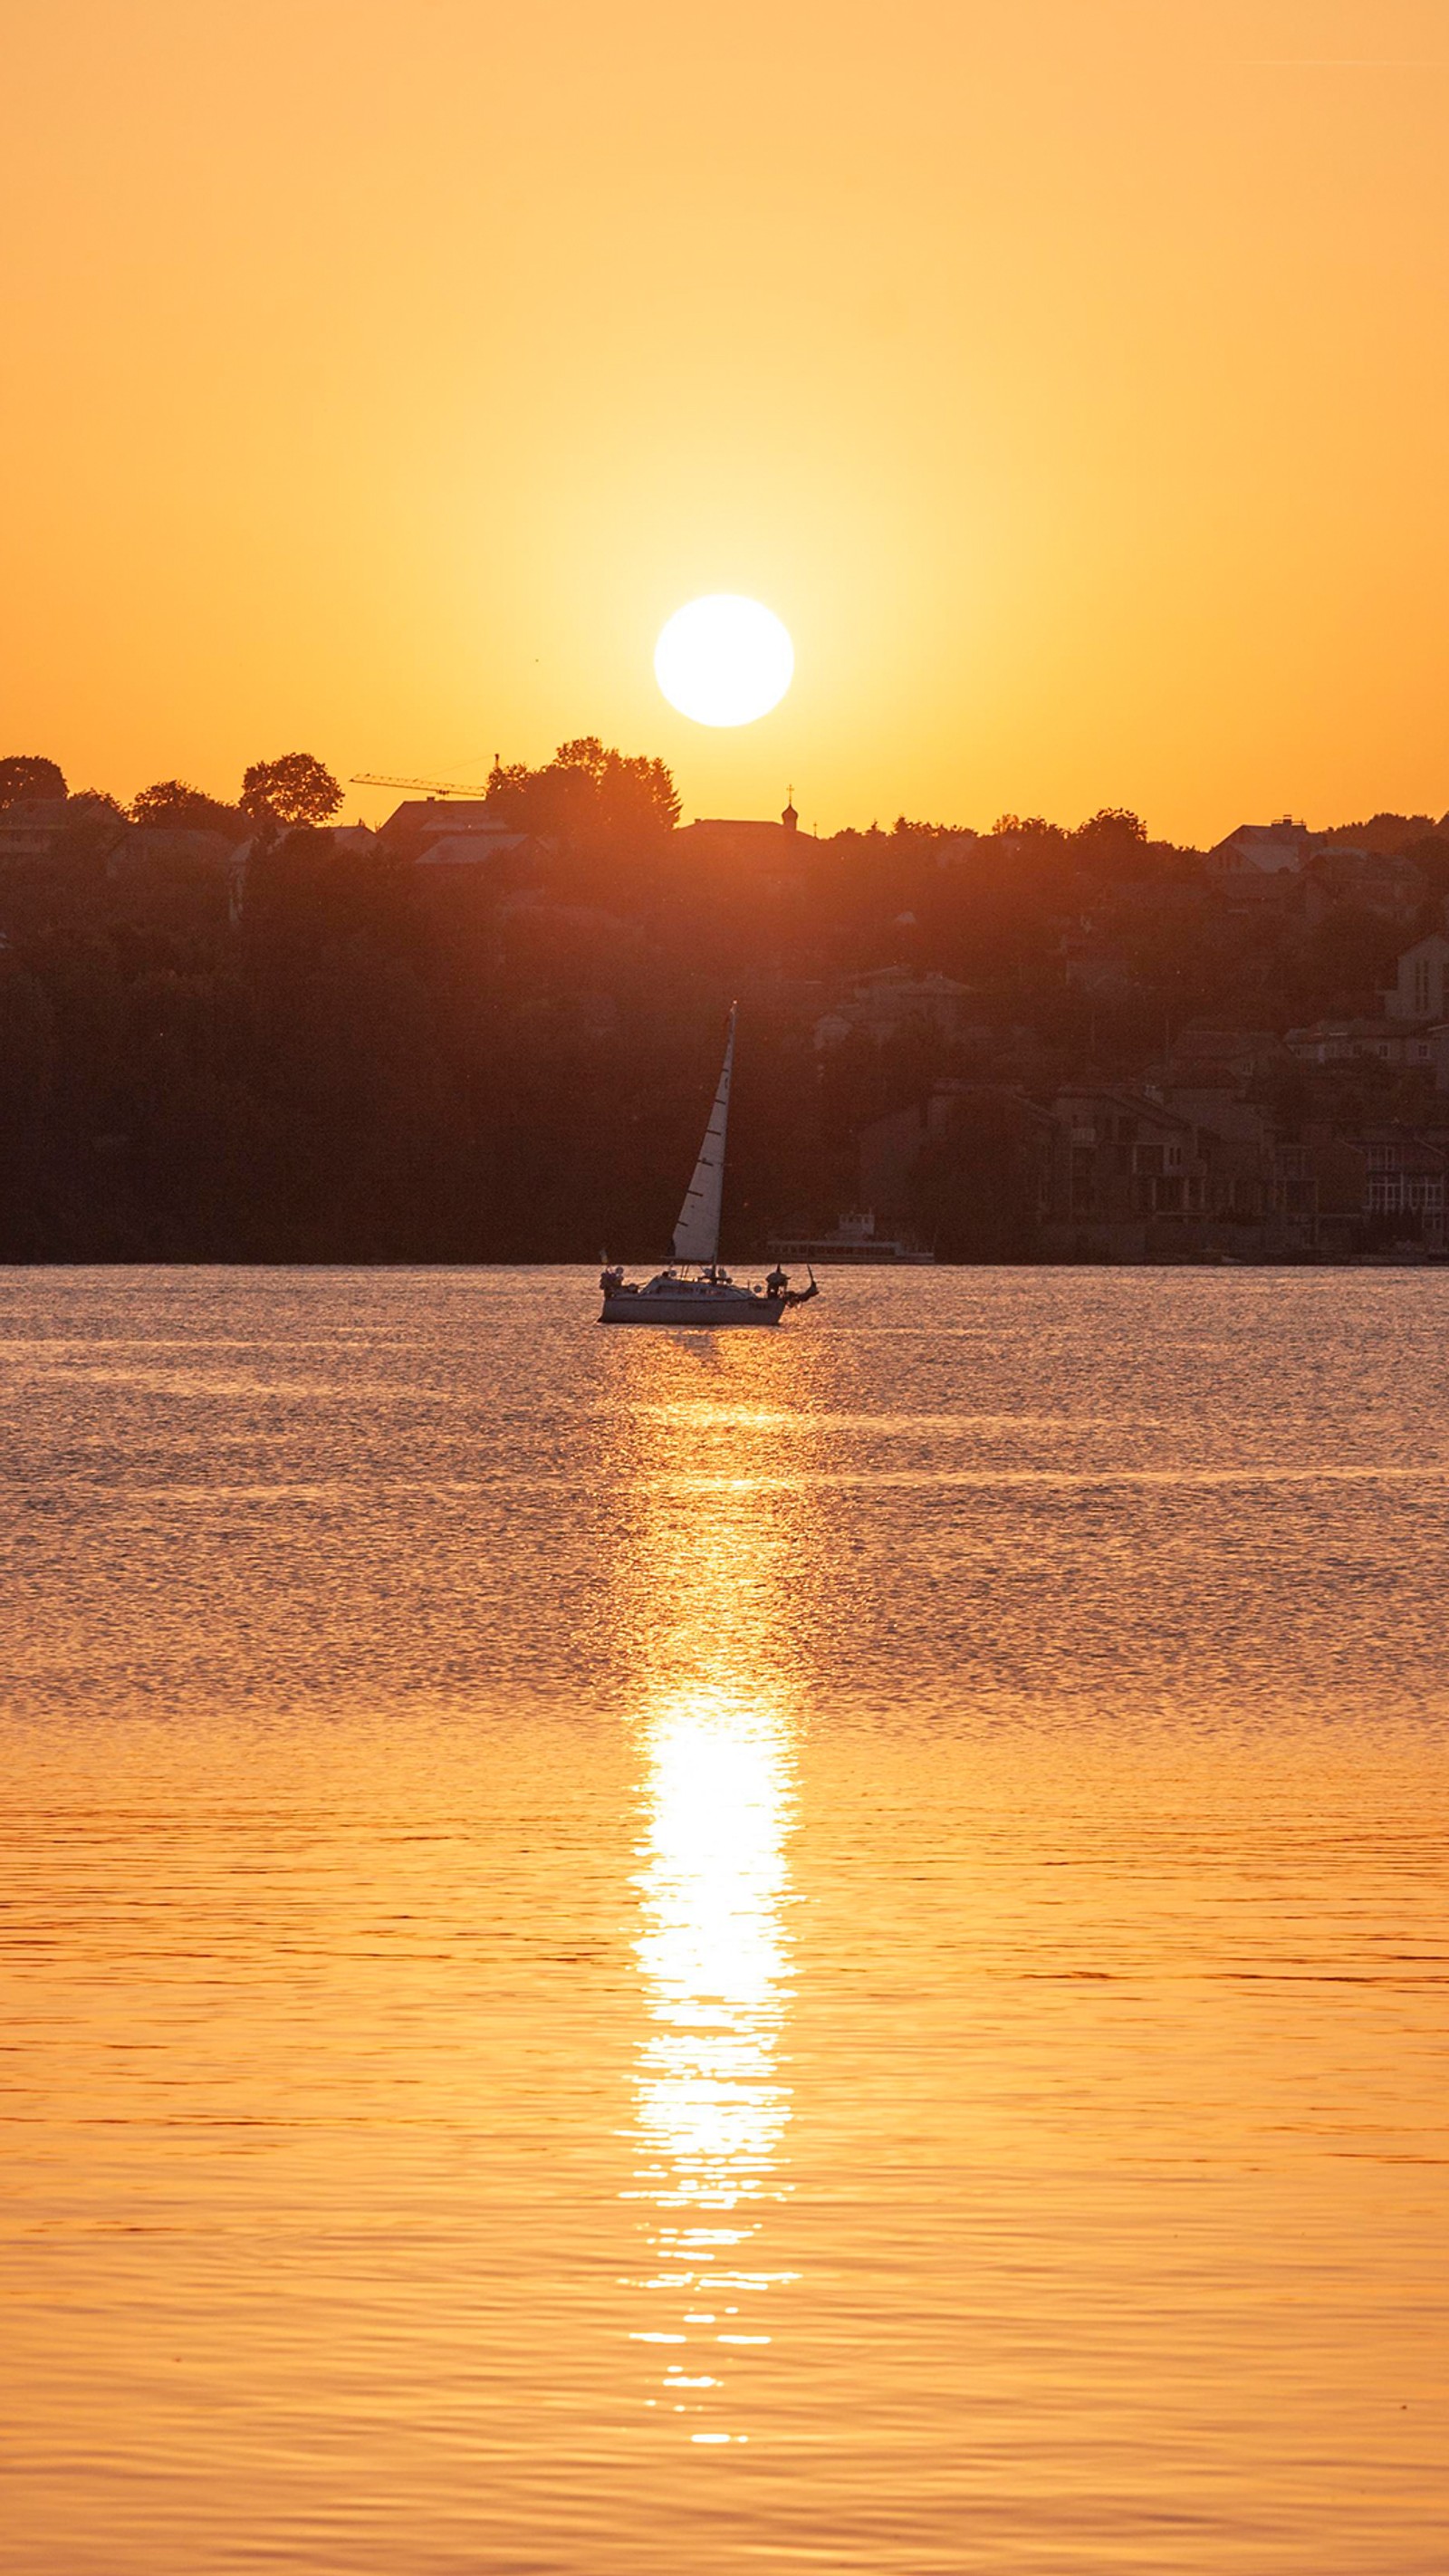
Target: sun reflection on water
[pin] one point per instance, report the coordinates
(714, 1948)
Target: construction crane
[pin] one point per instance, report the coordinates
(421, 786)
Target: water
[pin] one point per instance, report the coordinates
(635, 1953)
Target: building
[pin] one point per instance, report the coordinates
(33, 827)
(354, 840)
(972, 1171)
(1318, 1190)
(980, 1172)
(415, 827)
(717, 844)
(892, 998)
(1217, 1109)
(1215, 1059)
(1267, 849)
(1412, 1031)
(1128, 1158)
(1418, 990)
(478, 849)
(1405, 1184)
(174, 880)
(1390, 1041)
(853, 1240)
(1337, 875)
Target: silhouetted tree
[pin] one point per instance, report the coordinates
(1033, 827)
(588, 793)
(24, 774)
(1389, 836)
(294, 789)
(924, 834)
(174, 806)
(1112, 823)
(1112, 844)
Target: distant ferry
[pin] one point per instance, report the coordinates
(694, 1289)
(854, 1239)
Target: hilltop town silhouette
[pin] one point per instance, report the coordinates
(246, 1030)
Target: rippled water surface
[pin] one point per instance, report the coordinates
(629, 1952)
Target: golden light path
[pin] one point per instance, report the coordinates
(714, 1950)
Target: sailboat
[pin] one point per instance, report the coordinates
(694, 1289)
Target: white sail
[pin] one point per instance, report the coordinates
(696, 1236)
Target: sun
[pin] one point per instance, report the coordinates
(724, 660)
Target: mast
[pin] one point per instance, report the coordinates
(696, 1236)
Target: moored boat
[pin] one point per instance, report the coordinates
(694, 1289)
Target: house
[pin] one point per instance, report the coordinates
(1391, 1041)
(1267, 849)
(154, 850)
(1220, 1059)
(1259, 893)
(1336, 875)
(1206, 1075)
(889, 999)
(1437, 1042)
(33, 826)
(1405, 1182)
(973, 1169)
(472, 849)
(355, 840)
(1127, 1158)
(853, 1238)
(741, 847)
(422, 820)
(1217, 1108)
(1318, 1187)
(157, 877)
(1418, 991)
(1146, 1182)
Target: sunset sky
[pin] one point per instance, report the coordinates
(1071, 376)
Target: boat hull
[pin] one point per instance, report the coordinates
(712, 1310)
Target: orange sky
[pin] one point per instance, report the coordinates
(1071, 375)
